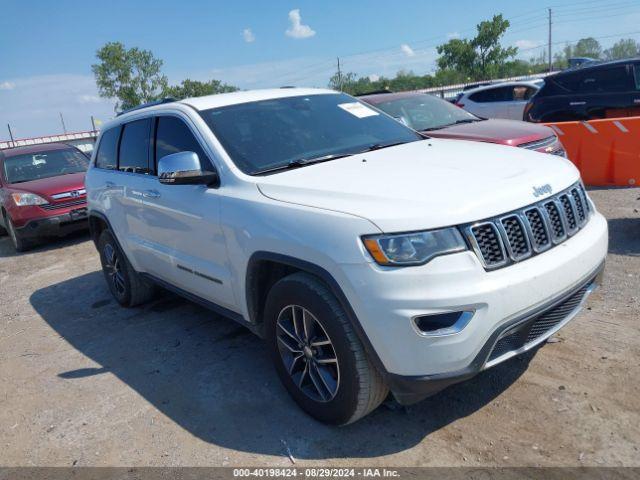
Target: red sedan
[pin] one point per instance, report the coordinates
(42, 192)
(438, 118)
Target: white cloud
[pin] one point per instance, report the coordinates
(297, 29)
(524, 44)
(407, 50)
(451, 35)
(374, 78)
(7, 86)
(316, 71)
(34, 108)
(248, 35)
(89, 99)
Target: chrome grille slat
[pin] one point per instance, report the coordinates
(520, 234)
(56, 206)
(538, 229)
(570, 215)
(579, 205)
(556, 220)
(516, 237)
(545, 142)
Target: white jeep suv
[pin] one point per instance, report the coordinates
(370, 258)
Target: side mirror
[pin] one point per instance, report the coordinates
(184, 168)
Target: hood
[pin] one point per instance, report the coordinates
(45, 187)
(425, 184)
(508, 132)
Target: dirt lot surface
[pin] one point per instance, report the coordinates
(85, 382)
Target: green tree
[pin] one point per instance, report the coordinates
(481, 56)
(457, 54)
(132, 76)
(194, 88)
(343, 81)
(491, 55)
(625, 48)
(587, 47)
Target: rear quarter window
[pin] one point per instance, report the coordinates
(636, 71)
(107, 155)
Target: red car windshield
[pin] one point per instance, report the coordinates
(425, 112)
(37, 165)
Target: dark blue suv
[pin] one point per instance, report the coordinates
(601, 90)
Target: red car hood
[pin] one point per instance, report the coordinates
(505, 132)
(45, 187)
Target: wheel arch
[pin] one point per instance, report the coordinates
(98, 222)
(264, 269)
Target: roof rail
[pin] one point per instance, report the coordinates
(149, 104)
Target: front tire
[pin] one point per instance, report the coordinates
(19, 242)
(317, 355)
(125, 284)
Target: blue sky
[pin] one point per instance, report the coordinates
(47, 48)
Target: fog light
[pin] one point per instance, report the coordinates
(446, 323)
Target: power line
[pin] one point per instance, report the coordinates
(530, 20)
(571, 42)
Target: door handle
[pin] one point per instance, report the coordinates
(151, 194)
(573, 104)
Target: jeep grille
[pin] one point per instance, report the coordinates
(518, 235)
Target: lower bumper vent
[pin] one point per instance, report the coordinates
(534, 328)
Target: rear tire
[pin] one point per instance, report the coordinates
(18, 241)
(126, 285)
(306, 329)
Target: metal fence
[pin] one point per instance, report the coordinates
(82, 140)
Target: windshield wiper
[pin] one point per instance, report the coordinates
(378, 146)
(457, 122)
(302, 162)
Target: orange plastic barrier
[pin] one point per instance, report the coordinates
(607, 152)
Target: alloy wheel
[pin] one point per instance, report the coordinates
(307, 353)
(113, 268)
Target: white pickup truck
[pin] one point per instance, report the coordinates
(370, 258)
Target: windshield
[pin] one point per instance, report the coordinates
(425, 112)
(262, 136)
(34, 166)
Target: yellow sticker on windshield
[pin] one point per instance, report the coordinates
(358, 109)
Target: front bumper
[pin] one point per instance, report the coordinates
(514, 338)
(56, 225)
(385, 300)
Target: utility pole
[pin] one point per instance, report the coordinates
(550, 57)
(64, 128)
(13, 143)
(93, 123)
(339, 75)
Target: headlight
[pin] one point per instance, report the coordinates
(413, 248)
(25, 199)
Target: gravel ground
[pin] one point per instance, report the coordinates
(85, 382)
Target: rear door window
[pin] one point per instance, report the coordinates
(500, 94)
(173, 136)
(107, 157)
(609, 80)
(134, 147)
